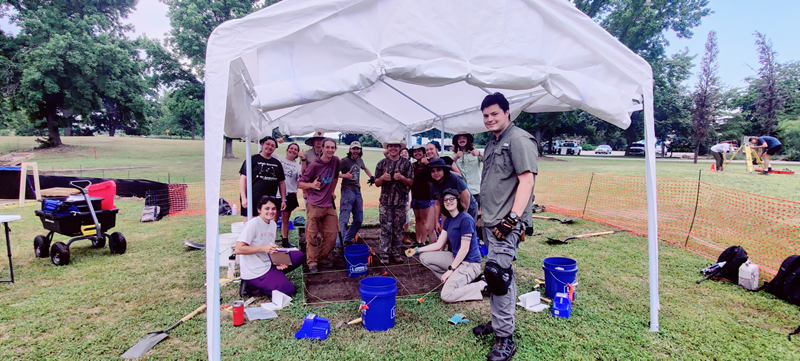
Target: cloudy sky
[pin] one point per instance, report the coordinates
(735, 21)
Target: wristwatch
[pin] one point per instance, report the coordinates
(449, 267)
(514, 216)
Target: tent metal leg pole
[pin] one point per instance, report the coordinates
(249, 169)
(652, 219)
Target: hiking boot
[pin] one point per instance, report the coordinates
(503, 350)
(396, 259)
(326, 264)
(385, 260)
(483, 330)
(312, 269)
(285, 243)
(245, 292)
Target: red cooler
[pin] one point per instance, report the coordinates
(105, 190)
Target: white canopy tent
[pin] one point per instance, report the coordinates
(396, 67)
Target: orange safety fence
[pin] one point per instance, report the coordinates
(767, 228)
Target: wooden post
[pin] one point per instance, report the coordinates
(23, 172)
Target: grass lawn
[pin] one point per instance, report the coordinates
(100, 305)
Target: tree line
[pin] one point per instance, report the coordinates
(71, 70)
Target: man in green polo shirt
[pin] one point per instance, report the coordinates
(509, 170)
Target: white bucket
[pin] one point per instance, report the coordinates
(226, 243)
(236, 227)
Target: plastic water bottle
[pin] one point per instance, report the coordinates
(231, 266)
(234, 209)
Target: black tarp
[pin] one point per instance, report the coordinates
(9, 185)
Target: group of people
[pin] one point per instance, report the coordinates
(446, 196)
(767, 146)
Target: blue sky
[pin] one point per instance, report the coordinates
(735, 21)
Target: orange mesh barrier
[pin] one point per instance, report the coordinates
(767, 228)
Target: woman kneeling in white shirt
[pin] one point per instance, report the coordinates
(255, 244)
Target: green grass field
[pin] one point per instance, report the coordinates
(100, 305)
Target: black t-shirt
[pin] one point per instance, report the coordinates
(447, 160)
(267, 173)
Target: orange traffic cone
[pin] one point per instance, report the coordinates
(713, 168)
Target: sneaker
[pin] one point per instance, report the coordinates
(503, 350)
(766, 172)
(483, 330)
(396, 259)
(326, 264)
(313, 269)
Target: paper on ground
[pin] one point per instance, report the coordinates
(258, 313)
(279, 300)
(531, 301)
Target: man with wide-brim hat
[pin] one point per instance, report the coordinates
(394, 175)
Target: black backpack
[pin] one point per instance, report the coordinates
(786, 284)
(734, 257)
(225, 208)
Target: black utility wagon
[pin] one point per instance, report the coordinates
(81, 217)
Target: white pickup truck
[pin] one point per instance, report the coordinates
(569, 148)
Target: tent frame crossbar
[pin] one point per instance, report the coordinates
(410, 98)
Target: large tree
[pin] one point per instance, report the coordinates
(770, 96)
(64, 72)
(642, 26)
(706, 95)
(192, 23)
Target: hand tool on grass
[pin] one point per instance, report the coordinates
(564, 241)
(153, 338)
(563, 221)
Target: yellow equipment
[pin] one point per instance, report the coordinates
(750, 154)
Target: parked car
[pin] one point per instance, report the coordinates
(636, 149)
(570, 148)
(603, 149)
(666, 151)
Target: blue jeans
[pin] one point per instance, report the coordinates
(351, 202)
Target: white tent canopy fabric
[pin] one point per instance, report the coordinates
(394, 67)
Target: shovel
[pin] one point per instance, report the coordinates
(564, 221)
(153, 338)
(564, 241)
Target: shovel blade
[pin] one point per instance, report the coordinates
(145, 344)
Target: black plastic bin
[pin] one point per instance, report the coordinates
(70, 225)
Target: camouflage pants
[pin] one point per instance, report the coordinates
(392, 219)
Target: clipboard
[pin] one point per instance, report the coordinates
(280, 257)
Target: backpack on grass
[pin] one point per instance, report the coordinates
(786, 284)
(728, 264)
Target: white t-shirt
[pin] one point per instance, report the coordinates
(255, 233)
(721, 147)
(292, 172)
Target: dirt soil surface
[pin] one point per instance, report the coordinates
(328, 285)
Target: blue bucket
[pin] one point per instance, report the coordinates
(558, 271)
(356, 257)
(378, 302)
